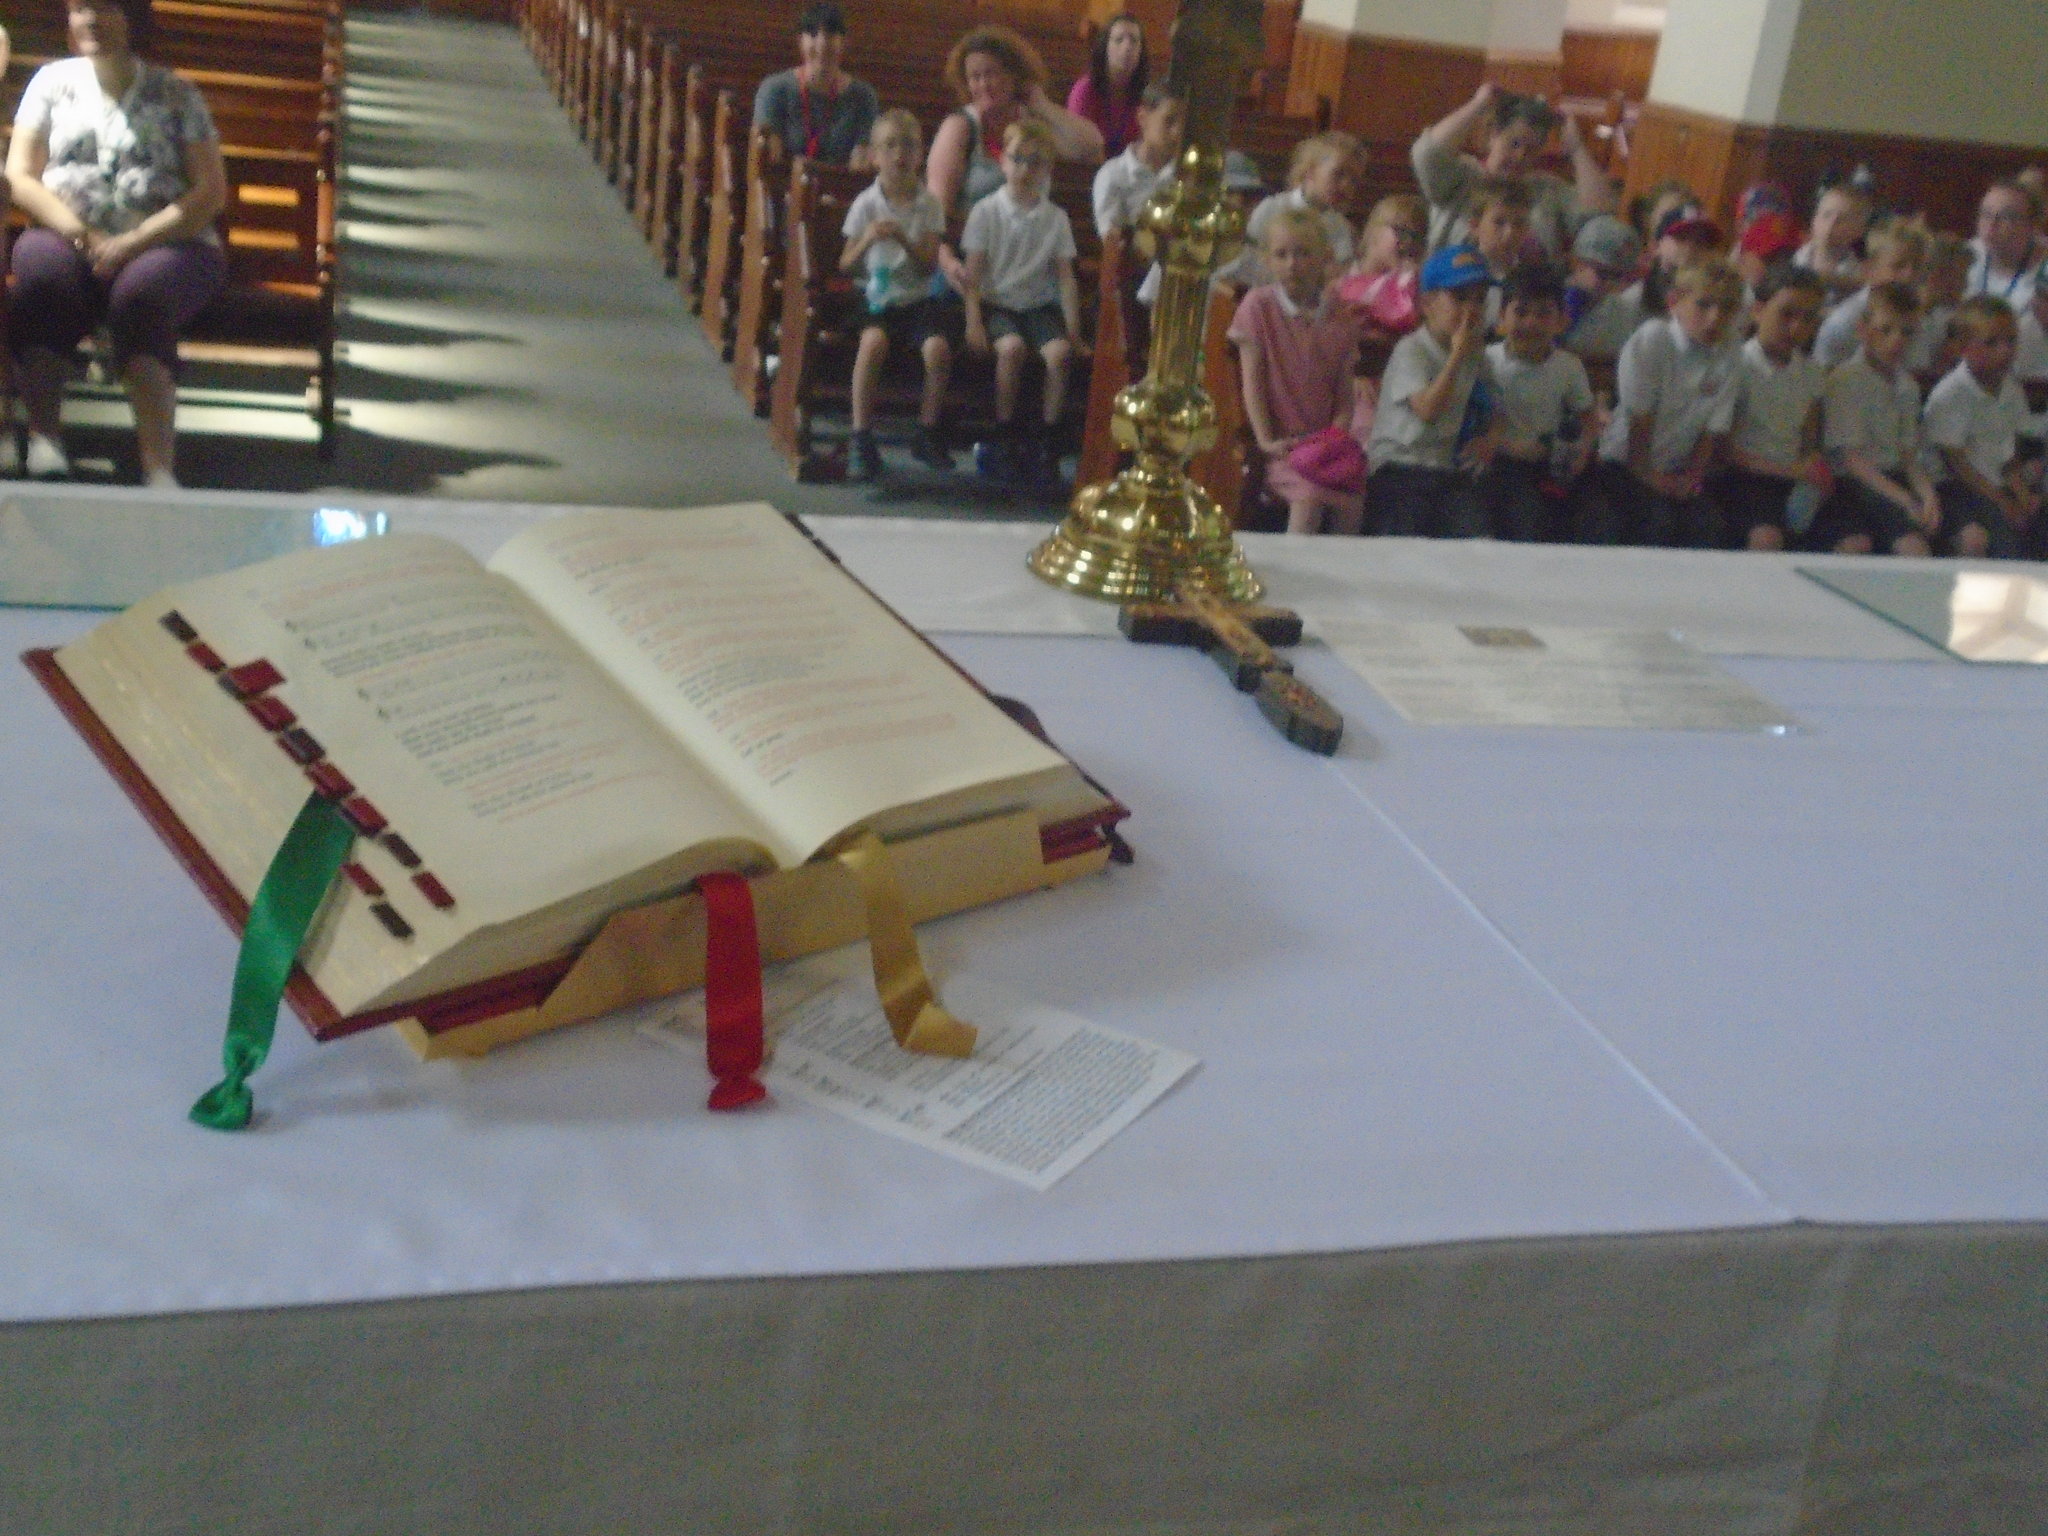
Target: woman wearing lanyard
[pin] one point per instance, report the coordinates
(817, 109)
(116, 162)
(2005, 259)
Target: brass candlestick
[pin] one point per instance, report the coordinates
(1152, 531)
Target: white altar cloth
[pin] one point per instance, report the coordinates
(1453, 985)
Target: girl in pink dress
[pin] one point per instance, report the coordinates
(1297, 348)
(1381, 284)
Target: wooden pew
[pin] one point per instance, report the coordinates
(277, 311)
(822, 315)
(720, 295)
(760, 274)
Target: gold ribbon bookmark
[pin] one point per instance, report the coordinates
(912, 1007)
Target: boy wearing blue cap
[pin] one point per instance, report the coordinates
(1422, 442)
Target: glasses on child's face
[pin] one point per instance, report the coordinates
(1029, 160)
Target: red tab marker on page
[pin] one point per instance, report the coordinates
(271, 714)
(434, 891)
(734, 1046)
(250, 679)
(205, 655)
(363, 816)
(330, 781)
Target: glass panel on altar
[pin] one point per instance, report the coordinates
(1973, 615)
(82, 551)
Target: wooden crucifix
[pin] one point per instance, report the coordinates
(1240, 640)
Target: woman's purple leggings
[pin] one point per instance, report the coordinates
(57, 300)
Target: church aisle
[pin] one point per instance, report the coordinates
(505, 334)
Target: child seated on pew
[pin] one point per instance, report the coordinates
(1323, 178)
(1546, 411)
(1676, 389)
(1774, 447)
(2030, 363)
(1883, 498)
(1122, 188)
(893, 230)
(1124, 185)
(1895, 252)
(1942, 286)
(1973, 423)
(1426, 444)
(1498, 214)
(1297, 350)
(1383, 283)
(1022, 297)
(1601, 312)
(1834, 245)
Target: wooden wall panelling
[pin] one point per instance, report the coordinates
(1713, 156)
(1942, 178)
(1599, 63)
(1379, 87)
(1531, 74)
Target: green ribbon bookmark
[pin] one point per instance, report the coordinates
(292, 890)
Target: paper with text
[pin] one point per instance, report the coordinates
(1043, 1092)
(1646, 680)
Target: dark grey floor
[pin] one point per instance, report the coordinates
(505, 333)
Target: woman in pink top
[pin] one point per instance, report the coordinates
(1117, 74)
(1297, 348)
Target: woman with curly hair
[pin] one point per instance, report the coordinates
(1000, 80)
(117, 163)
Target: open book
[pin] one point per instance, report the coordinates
(617, 703)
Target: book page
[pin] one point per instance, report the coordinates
(517, 773)
(804, 697)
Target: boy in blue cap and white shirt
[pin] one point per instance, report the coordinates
(1424, 448)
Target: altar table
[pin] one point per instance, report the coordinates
(1595, 1132)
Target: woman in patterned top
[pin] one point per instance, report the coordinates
(117, 163)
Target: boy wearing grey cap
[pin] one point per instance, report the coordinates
(1601, 312)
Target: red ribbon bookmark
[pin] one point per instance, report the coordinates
(733, 1047)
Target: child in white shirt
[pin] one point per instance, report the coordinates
(1122, 188)
(1124, 185)
(1022, 297)
(1545, 412)
(1600, 314)
(1774, 444)
(892, 231)
(1942, 288)
(1973, 423)
(2030, 363)
(1323, 178)
(1883, 498)
(1498, 210)
(1841, 217)
(1676, 384)
(1895, 252)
